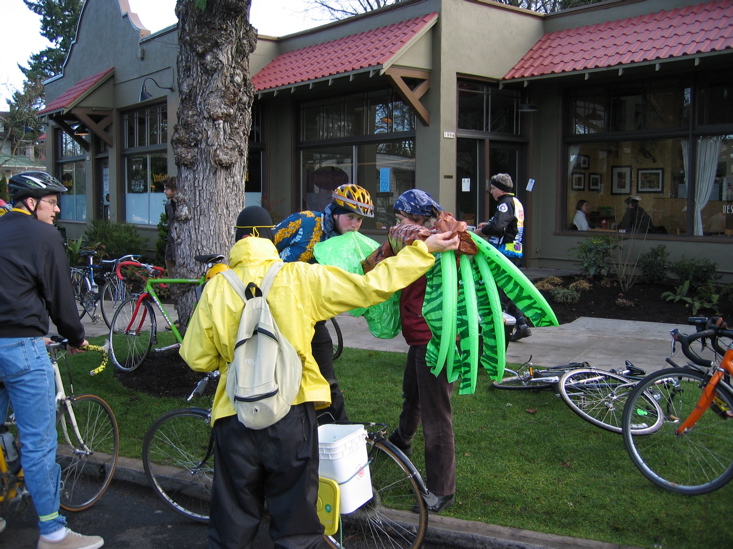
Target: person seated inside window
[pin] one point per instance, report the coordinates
(636, 220)
(580, 221)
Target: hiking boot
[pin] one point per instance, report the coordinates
(72, 541)
(396, 439)
(520, 333)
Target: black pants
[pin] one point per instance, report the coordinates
(322, 349)
(279, 465)
(427, 400)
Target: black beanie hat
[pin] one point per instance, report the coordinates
(255, 221)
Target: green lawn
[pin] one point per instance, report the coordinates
(524, 459)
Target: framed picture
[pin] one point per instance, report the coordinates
(583, 161)
(594, 182)
(621, 180)
(578, 181)
(650, 180)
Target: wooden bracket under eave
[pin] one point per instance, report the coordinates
(99, 126)
(412, 96)
(61, 123)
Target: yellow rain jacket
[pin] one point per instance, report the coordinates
(301, 295)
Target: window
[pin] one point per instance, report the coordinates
(367, 139)
(71, 171)
(486, 108)
(146, 164)
(634, 140)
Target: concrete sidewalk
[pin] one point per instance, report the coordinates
(603, 343)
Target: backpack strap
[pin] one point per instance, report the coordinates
(270, 277)
(239, 286)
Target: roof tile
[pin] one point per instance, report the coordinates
(695, 29)
(75, 92)
(368, 49)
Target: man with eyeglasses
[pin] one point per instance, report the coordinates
(36, 286)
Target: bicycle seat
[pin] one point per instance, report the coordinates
(211, 258)
(87, 253)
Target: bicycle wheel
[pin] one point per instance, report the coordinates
(132, 333)
(114, 291)
(82, 292)
(338, 339)
(396, 516)
(178, 457)
(599, 397)
(88, 460)
(698, 461)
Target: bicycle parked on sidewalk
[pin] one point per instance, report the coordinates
(689, 445)
(88, 445)
(178, 457)
(98, 286)
(134, 328)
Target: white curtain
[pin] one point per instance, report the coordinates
(708, 149)
(573, 150)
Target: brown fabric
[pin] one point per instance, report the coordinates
(405, 234)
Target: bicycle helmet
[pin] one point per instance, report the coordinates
(33, 184)
(215, 270)
(354, 198)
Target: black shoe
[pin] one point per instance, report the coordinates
(520, 333)
(443, 503)
(396, 439)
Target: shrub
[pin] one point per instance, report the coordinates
(114, 239)
(655, 265)
(580, 285)
(565, 295)
(725, 302)
(4, 189)
(594, 255)
(699, 272)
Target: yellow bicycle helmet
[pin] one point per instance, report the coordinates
(355, 198)
(215, 270)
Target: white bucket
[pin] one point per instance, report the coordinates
(343, 458)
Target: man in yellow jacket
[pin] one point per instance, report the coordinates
(279, 464)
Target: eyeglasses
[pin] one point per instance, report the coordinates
(52, 203)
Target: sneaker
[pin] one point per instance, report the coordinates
(2, 524)
(520, 333)
(72, 541)
(396, 439)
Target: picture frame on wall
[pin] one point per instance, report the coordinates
(621, 180)
(577, 182)
(595, 182)
(650, 180)
(583, 161)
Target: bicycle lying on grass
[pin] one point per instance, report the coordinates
(134, 328)
(88, 445)
(178, 457)
(688, 445)
(598, 396)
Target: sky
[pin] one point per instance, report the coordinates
(21, 37)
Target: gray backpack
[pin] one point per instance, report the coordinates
(264, 377)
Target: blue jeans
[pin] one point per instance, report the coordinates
(30, 388)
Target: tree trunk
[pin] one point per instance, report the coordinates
(210, 139)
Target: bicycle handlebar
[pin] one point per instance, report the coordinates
(712, 328)
(58, 342)
(153, 270)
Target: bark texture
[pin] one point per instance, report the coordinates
(210, 138)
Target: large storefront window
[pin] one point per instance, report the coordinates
(146, 164)
(71, 171)
(486, 108)
(367, 139)
(639, 146)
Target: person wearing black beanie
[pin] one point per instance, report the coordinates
(255, 221)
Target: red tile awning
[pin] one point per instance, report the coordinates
(370, 50)
(696, 30)
(72, 96)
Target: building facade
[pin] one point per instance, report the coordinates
(600, 103)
